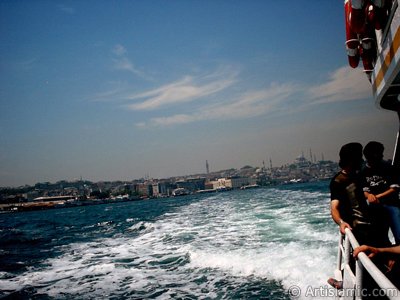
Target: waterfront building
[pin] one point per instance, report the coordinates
(234, 182)
(192, 184)
(301, 170)
(145, 189)
(238, 182)
(165, 188)
(31, 195)
(216, 184)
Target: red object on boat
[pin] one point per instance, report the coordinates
(368, 48)
(352, 42)
(356, 15)
(378, 13)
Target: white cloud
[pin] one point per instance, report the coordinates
(221, 101)
(110, 95)
(253, 103)
(125, 64)
(119, 50)
(184, 90)
(66, 9)
(122, 62)
(172, 120)
(248, 105)
(345, 84)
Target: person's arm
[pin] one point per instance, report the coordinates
(386, 193)
(372, 251)
(371, 198)
(336, 216)
(393, 180)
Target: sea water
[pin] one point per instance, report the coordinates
(266, 243)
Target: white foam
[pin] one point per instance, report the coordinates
(268, 236)
(142, 227)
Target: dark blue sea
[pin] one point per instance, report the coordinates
(266, 243)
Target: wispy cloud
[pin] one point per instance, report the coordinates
(344, 84)
(253, 103)
(220, 95)
(122, 62)
(119, 50)
(109, 95)
(248, 105)
(67, 9)
(185, 90)
(27, 64)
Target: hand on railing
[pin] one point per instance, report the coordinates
(343, 225)
(370, 251)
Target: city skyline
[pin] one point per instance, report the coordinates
(312, 160)
(115, 91)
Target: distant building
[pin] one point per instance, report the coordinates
(238, 182)
(145, 189)
(155, 190)
(31, 195)
(234, 182)
(220, 182)
(165, 188)
(192, 184)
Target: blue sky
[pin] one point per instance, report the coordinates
(117, 90)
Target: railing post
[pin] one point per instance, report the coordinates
(347, 248)
(340, 251)
(348, 277)
(359, 280)
(364, 264)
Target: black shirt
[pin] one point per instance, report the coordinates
(379, 179)
(353, 207)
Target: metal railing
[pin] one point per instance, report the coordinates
(351, 272)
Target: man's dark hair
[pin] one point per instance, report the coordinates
(350, 154)
(373, 150)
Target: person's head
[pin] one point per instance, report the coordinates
(351, 156)
(373, 152)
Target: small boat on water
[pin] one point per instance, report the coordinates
(372, 34)
(251, 186)
(180, 192)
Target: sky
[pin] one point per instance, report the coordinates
(120, 90)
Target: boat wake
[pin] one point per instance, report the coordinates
(241, 244)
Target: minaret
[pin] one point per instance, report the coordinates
(207, 167)
(270, 165)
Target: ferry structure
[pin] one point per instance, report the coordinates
(385, 78)
(372, 37)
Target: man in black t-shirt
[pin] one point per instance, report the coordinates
(380, 186)
(349, 209)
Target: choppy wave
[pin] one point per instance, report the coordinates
(240, 244)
